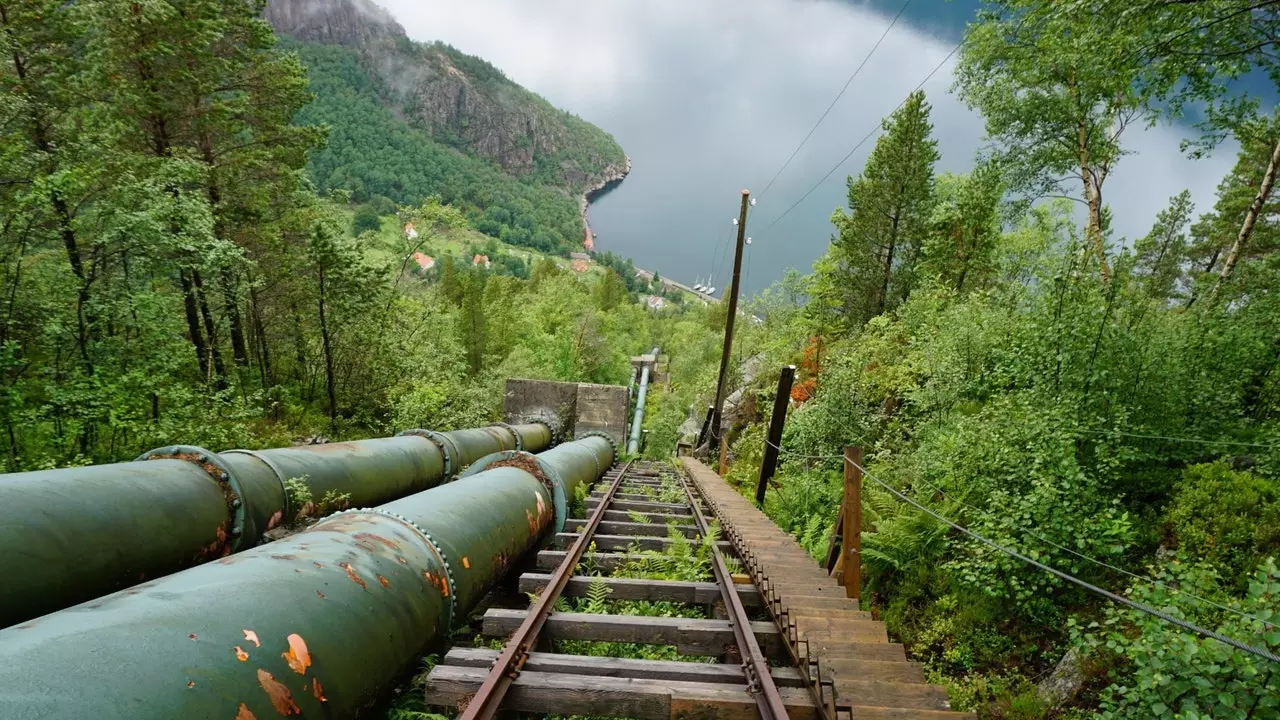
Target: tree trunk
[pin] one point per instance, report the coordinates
(239, 348)
(260, 331)
(328, 357)
(1093, 197)
(1250, 219)
(888, 264)
(210, 329)
(193, 322)
(39, 135)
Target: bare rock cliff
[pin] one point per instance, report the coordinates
(458, 99)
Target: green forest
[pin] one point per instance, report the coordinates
(1107, 406)
(374, 154)
(200, 243)
(172, 273)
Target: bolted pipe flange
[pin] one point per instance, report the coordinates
(607, 438)
(450, 585)
(220, 473)
(441, 441)
(512, 430)
(289, 510)
(541, 470)
(550, 421)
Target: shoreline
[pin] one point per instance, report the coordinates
(611, 180)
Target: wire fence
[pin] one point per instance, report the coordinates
(1142, 607)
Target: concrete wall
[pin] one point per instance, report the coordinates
(572, 409)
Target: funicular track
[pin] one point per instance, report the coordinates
(810, 651)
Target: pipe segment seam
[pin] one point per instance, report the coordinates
(540, 469)
(289, 510)
(442, 442)
(513, 431)
(220, 473)
(612, 443)
(451, 585)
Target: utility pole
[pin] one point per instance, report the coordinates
(717, 412)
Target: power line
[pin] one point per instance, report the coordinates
(1177, 439)
(1058, 573)
(861, 142)
(839, 95)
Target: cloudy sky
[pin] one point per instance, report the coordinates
(710, 97)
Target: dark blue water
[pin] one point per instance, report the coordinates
(709, 98)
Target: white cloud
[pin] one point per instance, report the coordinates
(711, 96)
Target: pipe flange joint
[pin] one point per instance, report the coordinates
(613, 444)
(540, 469)
(551, 431)
(440, 441)
(549, 420)
(289, 510)
(451, 586)
(514, 433)
(220, 473)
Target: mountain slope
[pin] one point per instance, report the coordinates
(456, 99)
(372, 152)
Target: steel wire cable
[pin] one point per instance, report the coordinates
(1142, 607)
(863, 141)
(839, 95)
(1082, 556)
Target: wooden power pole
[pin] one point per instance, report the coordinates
(718, 411)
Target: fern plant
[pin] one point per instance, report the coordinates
(638, 517)
(597, 592)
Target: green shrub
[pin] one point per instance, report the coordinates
(1159, 670)
(1226, 517)
(366, 219)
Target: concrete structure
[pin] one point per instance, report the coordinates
(572, 409)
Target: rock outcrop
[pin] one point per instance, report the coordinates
(458, 99)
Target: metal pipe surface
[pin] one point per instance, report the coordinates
(317, 625)
(633, 443)
(77, 533)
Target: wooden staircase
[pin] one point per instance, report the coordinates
(851, 667)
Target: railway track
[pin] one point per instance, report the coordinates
(772, 636)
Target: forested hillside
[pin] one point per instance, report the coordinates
(374, 154)
(170, 274)
(409, 119)
(1108, 406)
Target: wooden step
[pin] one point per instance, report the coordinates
(560, 694)
(836, 670)
(863, 712)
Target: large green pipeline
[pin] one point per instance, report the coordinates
(77, 533)
(317, 625)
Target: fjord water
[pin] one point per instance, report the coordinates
(710, 97)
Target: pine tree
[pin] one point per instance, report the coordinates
(871, 266)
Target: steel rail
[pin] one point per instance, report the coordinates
(749, 562)
(754, 665)
(487, 701)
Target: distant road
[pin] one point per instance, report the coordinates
(677, 285)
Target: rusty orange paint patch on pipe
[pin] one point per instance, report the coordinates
(245, 713)
(351, 573)
(297, 656)
(241, 655)
(281, 698)
(252, 637)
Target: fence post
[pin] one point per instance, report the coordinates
(724, 455)
(851, 547)
(773, 440)
(706, 426)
